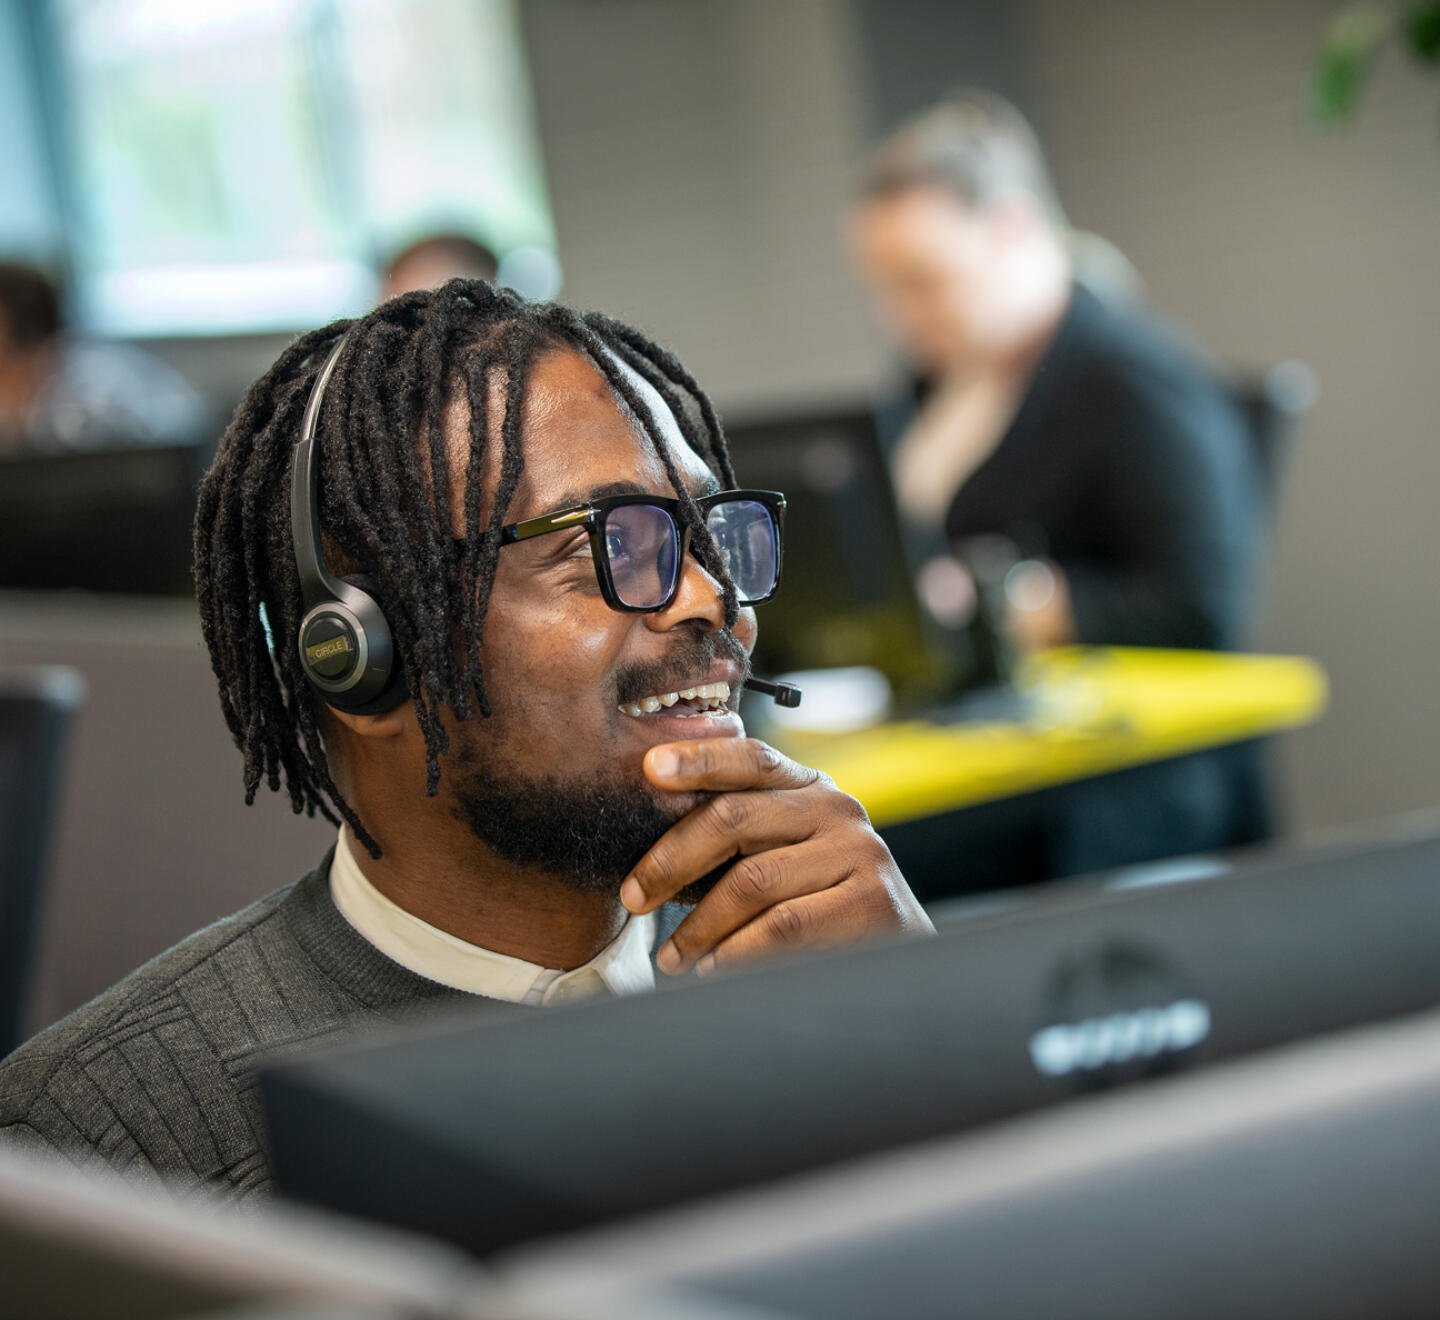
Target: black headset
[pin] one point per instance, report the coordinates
(346, 648)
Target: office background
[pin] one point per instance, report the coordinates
(705, 207)
(697, 155)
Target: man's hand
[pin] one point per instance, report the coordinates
(809, 868)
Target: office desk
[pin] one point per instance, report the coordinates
(1094, 710)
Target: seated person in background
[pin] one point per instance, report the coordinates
(1080, 429)
(430, 262)
(1079, 432)
(58, 392)
(558, 759)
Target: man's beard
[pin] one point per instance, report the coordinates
(586, 833)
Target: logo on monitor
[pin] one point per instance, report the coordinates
(1116, 1012)
(1073, 1047)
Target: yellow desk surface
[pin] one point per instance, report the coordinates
(1095, 709)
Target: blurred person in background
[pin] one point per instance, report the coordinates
(1070, 470)
(1051, 410)
(431, 261)
(60, 392)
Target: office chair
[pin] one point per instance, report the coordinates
(37, 708)
(1271, 403)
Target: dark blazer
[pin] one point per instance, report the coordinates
(1129, 463)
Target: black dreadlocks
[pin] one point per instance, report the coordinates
(385, 507)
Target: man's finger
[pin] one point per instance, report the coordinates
(833, 916)
(746, 890)
(724, 765)
(711, 834)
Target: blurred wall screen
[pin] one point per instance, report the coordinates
(242, 167)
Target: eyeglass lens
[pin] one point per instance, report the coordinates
(642, 546)
(745, 533)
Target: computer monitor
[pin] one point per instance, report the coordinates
(80, 1245)
(38, 706)
(1303, 1181)
(847, 594)
(113, 520)
(534, 1123)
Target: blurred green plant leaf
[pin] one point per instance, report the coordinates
(1422, 31)
(1347, 52)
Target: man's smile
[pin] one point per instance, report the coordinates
(702, 707)
(704, 699)
(691, 695)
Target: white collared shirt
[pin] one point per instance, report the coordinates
(621, 968)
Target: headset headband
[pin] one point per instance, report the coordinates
(316, 582)
(346, 649)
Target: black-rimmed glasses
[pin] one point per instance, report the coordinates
(639, 543)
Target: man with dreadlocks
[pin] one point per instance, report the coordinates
(564, 759)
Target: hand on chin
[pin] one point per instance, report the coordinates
(781, 858)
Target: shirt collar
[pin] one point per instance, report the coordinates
(621, 968)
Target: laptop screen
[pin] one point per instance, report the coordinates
(847, 595)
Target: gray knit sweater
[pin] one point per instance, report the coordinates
(157, 1076)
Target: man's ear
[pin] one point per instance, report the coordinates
(389, 725)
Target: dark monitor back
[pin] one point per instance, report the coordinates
(37, 708)
(89, 1246)
(847, 595)
(532, 1124)
(1302, 1182)
(114, 520)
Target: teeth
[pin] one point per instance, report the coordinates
(713, 693)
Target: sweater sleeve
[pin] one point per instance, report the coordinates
(121, 1101)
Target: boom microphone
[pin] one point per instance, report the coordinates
(784, 694)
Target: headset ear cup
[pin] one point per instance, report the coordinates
(348, 652)
(381, 687)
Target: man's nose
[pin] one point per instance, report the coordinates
(699, 599)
